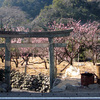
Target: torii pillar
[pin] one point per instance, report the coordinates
(51, 58)
(7, 63)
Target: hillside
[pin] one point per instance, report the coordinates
(12, 16)
(32, 7)
(60, 11)
(21, 12)
(37, 13)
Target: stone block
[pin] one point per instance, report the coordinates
(59, 89)
(71, 87)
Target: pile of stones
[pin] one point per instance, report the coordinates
(39, 83)
(62, 86)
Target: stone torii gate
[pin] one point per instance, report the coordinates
(50, 35)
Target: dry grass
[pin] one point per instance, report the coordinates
(35, 69)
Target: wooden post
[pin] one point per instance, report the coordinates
(51, 59)
(7, 63)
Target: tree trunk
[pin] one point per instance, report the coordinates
(71, 61)
(26, 67)
(16, 63)
(93, 59)
(55, 72)
(45, 64)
